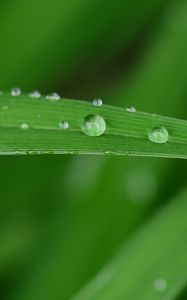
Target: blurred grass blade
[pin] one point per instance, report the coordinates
(29, 126)
(60, 36)
(159, 83)
(153, 265)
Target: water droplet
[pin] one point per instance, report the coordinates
(35, 94)
(94, 125)
(32, 152)
(5, 107)
(131, 109)
(160, 285)
(16, 92)
(127, 153)
(158, 135)
(97, 102)
(53, 97)
(64, 125)
(154, 115)
(24, 126)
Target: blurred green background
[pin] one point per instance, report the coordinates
(63, 217)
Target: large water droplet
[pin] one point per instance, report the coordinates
(94, 125)
(24, 126)
(53, 97)
(64, 125)
(158, 135)
(97, 102)
(35, 94)
(15, 92)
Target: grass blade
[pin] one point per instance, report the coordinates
(152, 265)
(126, 133)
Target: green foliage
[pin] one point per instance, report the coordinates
(30, 126)
(148, 265)
(71, 226)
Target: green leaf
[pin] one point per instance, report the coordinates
(153, 265)
(29, 126)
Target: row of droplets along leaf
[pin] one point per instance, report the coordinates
(94, 125)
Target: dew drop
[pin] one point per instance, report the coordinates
(64, 125)
(24, 126)
(97, 102)
(35, 94)
(160, 285)
(154, 115)
(15, 92)
(131, 109)
(94, 125)
(158, 135)
(53, 97)
(32, 152)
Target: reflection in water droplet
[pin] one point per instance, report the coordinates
(158, 135)
(160, 285)
(97, 102)
(94, 125)
(24, 126)
(53, 97)
(64, 125)
(131, 109)
(15, 92)
(35, 94)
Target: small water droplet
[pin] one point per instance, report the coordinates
(154, 115)
(64, 125)
(53, 97)
(15, 92)
(127, 153)
(35, 94)
(109, 152)
(5, 107)
(97, 102)
(160, 284)
(94, 125)
(24, 126)
(131, 109)
(31, 152)
(158, 135)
